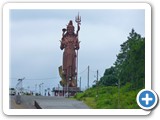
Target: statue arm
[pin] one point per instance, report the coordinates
(63, 31)
(78, 29)
(62, 44)
(77, 44)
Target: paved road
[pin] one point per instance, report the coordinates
(46, 102)
(60, 103)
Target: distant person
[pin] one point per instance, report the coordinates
(48, 94)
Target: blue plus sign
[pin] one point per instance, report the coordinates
(147, 99)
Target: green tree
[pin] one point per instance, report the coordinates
(130, 63)
(109, 78)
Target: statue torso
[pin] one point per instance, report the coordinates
(70, 42)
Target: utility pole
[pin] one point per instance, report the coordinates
(80, 84)
(97, 75)
(88, 76)
(58, 89)
(97, 83)
(118, 93)
(42, 88)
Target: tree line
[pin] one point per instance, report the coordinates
(129, 66)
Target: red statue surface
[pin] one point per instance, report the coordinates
(70, 44)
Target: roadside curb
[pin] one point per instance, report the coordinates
(37, 105)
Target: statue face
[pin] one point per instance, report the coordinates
(70, 30)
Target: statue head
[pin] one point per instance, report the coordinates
(70, 27)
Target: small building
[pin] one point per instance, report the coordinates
(12, 91)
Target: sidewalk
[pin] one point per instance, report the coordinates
(23, 105)
(13, 105)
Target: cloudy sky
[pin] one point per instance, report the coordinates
(35, 47)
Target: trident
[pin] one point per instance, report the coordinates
(78, 21)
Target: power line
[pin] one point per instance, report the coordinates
(48, 78)
(42, 78)
(83, 70)
(38, 78)
(92, 71)
(95, 72)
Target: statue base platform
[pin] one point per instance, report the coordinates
(67, 91)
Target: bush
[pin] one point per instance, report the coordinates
(79, 96)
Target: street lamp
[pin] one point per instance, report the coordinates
(42, 88)
(35, 89)
(19, 85)
(80, 84)
(28, 89)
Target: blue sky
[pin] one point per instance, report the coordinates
(35, 35)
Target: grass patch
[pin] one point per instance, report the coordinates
(108, 97)
(90, 101)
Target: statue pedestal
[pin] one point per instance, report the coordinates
(71, 91)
